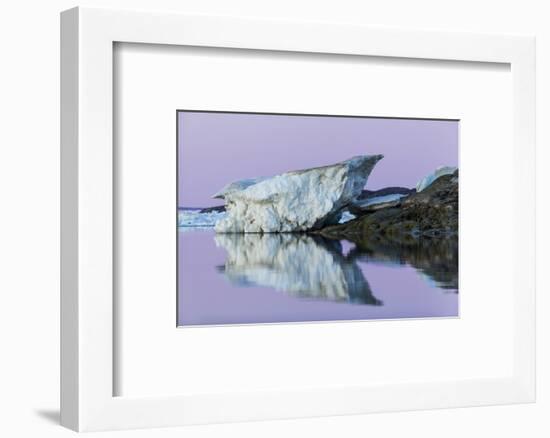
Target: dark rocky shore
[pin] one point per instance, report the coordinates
(432, 212)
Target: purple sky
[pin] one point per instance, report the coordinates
(217, 148)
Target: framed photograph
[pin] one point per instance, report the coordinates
(275, 219)
(301, 245)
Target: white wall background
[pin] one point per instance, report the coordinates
(29, 218)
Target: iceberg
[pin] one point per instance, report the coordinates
(294, 201)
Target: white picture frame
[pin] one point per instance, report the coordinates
(87, 343)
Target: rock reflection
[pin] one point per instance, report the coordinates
(436, 258)
(297, 264)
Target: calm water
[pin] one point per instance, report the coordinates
(238, 279)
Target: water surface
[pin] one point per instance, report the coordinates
(270, 278)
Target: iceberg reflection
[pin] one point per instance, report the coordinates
(300, 265)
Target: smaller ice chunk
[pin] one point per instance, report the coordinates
(196, 219)
(429, 179)
(382, 199)
(346, 217)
